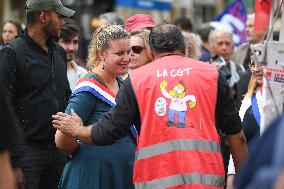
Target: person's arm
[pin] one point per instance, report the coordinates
(238, 148)
(83, 103)
(116, 123)
(7, 178)
(72, 126)
(231, 174)
(230, 181)
(65, 143)
(111, 126)
(229, 122)
(9, 138)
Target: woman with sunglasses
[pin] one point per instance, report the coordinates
(141, 54)
(110, 166)
(250, 112)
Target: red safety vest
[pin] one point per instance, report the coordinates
(179, 146)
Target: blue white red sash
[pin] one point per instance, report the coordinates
(97, 89)
(255, 109)
(100, 91)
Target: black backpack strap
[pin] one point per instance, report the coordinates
(19, 45)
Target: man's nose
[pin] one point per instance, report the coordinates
(70, 47)
(224, 47)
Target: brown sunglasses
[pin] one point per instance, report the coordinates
(137, 49)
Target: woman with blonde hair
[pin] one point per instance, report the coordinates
(193, 45)
(250, 112)
(91, 166)
(251, 108)
(141, 53)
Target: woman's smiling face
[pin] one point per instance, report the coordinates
(117, 56)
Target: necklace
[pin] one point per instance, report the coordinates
(100, 79)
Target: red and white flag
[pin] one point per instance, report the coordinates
(262, 14)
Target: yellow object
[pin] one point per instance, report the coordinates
(173, 93)
(192, 104)
(181, 88)
(163, 84)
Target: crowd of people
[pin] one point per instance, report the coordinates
(154, 106)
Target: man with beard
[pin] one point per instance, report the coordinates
(33, 74)
(69, 40)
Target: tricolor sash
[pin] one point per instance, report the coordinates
(255, 109)
(100, 91)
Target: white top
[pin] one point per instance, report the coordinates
(246, 103)
(75, 74)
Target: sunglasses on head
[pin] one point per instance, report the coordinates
(137, 49)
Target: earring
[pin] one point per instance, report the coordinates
(103, 67)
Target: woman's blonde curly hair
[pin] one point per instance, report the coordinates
(100, 41)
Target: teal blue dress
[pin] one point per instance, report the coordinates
(98, 167)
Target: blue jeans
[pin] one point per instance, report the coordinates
(181, 116)
(42, 168)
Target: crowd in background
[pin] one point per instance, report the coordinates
(50, 160)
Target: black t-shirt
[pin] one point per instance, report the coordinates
(9, 134)
(115, 123)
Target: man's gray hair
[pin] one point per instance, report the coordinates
(112, 18)
(251, 16)
(213, 34)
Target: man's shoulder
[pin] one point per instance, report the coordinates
(242, 48)
(7, 49)
(56, 46)
(78, 68)
(10, 49)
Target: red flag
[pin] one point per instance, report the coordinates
(262, 14)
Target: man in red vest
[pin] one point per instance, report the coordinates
(177, 105)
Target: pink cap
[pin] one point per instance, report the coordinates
(139, 21)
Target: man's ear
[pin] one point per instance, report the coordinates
(233, 47)
(43, 17)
